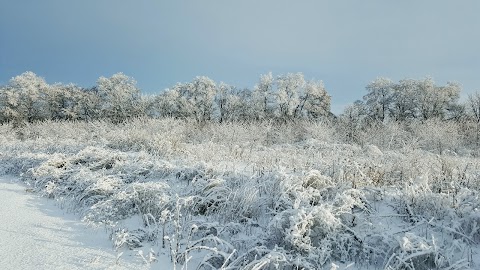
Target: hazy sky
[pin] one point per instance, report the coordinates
(344, 43)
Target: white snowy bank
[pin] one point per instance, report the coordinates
(37, 234)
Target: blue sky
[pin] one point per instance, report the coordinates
(344, 43)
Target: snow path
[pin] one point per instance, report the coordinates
(36, 234)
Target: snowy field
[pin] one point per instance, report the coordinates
(170, 194)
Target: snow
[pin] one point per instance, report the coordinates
(37, 234)
(233, 195)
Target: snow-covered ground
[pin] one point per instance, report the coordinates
(36, 234)
(235, 196)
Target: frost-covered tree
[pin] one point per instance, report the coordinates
(379, 98)
(194, 99)
(170, 103)
(65, 102)
(314, 101)
(119, 95)
(57, 101)
(9, 104)
(262, 96)
(435, 101)
(233, 104)
(224, 91)
(474, 106)
(149, 105)
(404, 98)
(239, 106)
(89, 106)
(202, 91)
(289, 88)
(423, 99)
(28, 96)
(351, 121)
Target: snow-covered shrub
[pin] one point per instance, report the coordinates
(98, 188)
(316, 180)
(322, 232)
(275, 189)
(244, 203)
(124, 238)
(418, 201)
(150, 197)
(415, 252)
(391, 135)
(119, 206)
(437, 135)
(219, 253)
(467, 208)
(160, 137)
(97, 158)
(210, 195)
(136, 198)
(47, 176)
(265, 258)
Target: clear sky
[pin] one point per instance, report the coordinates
(344, 43)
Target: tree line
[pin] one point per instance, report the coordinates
(410, 99)
(283, 98)
(30, 98)
(411, 106)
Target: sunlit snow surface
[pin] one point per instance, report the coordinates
(36, 234)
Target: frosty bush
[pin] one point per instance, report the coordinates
(323, 232)
(415, 253)
(316, 180)
(135, 198)
(438, 135)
